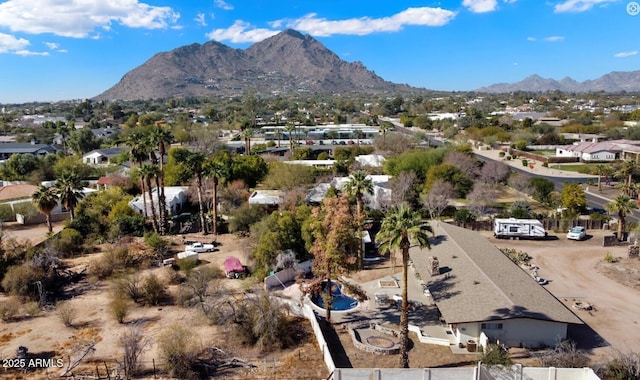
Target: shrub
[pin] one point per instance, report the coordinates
(153, 290)
(187, 264)
(495, 354)
(508, 158)
(156, 242)
(464, 216)
(9, 310)
(501, 154)
(525, 162)
(66, 312)
(130, 286)
(608, 257)
(178, 350)
(68, 242)
(119, 307)
(20, 280)
(545, 164)
(323, 156)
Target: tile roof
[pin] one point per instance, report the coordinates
(481, 283)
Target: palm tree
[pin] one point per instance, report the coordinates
(69, 190)
(358, 186)
(45, 200)
(600, 171)
(384, 128)
(247, 134)
(163, 138)
(359, 134)
(148, 171)
(401, 226)
(137, 154)
(290, 128)
(217, 170)
(621, 205)
(195, 161)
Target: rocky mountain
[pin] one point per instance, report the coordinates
(286, 62)
(615, 82)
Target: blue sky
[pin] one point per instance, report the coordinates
(71, 49)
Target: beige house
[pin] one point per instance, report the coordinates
(484, 297)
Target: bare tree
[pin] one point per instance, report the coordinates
(520, 182)
(403, 188)
(494, 172)
(481, 197)
(565, 354)
(437, 199)
(133, 343)
(465, 162)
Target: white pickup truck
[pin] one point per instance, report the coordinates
(200, 247)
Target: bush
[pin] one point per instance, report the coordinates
(119, 307)
(67, 313)
(464, 216)
(495, 354)
(156, 242)
(153, 290)
(501, 154)
(20, 280)
(178, 350)
(508, 158)
(68, 243)
(608, 257)
(525, 162)
(130, 286)
(323, 156)
(9, 310)
(187, 264)
(545, 164)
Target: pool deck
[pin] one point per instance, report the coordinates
(382, 307)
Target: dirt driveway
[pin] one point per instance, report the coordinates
(572, 267)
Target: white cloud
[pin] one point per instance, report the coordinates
(241, 31)
(625, 54)
(509, 1)
(200, 19)
(80, 18)
(481, 6)
(554, 38)
(11, 43)
(223, 4)
(29, 52)
(579, 5)
(531, 39)
(52, 45)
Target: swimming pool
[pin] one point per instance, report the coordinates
(339, 302)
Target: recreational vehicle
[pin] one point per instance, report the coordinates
(518, 228)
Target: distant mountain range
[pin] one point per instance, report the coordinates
(284, 63)
(615, 82)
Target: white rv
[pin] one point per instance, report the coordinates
(518, 228)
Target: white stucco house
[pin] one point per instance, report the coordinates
(381, 192)
(102, 157)
(266, 197)
(484, 297)
(175, 198)
(603, 151)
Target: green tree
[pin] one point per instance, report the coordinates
(542, 189)
(573, 198)
(399, 228)
(45, 200)
(138, 151)
(621, 205)
(18, 166)
(358, 186)
(249, 168)
(218, 169)
(195, 162)
(452, 174)
(69, 189)
(335, 235)
(82, 141)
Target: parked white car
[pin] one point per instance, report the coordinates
(200, 247)
(577, 233)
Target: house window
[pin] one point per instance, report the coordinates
(491, 326)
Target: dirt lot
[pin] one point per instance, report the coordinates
(46, 336)
(577, 272)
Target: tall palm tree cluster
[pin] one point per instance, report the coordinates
(67, 190)
(148, 150)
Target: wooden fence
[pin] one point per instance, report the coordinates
(549, 224)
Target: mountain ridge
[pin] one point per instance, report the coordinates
(286, 62)
(613, 82)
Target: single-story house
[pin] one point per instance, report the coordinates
(483, 296)
(380, 197)
(591, 151)
(373, 160)
(175, 198)
(10, 148)
(101, 157)
(266, 197)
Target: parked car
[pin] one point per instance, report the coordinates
(577, 233)
(200, 247)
